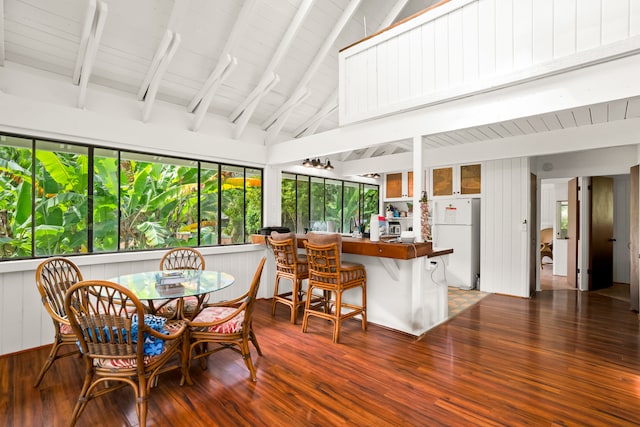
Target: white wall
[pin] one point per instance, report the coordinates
(621, 229)
(505, 234)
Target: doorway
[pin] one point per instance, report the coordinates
(552, 276)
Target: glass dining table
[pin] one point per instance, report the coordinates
(158, 287)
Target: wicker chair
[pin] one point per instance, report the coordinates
(227, 324)
(291, 266)
(115, 345)
(182, 259)
(327, 273)
(546, 244)
(54, 276)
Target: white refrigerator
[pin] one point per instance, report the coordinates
(456, 225)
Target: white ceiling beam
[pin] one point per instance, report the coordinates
(241, 124)
(311, 126)
(1, 33)
(89, 20)
(203, 105)
(317, 61)
(280, 52)
(91, 50)
(150, 94)
(275, 130)
(239, 28)
(161, 52)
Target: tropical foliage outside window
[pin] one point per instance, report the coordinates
(310, 201)
(139, 201)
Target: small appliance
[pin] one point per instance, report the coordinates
(394, 228)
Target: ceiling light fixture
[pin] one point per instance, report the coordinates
(371, 175)
(317, 164)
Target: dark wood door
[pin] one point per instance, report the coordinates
(533, 235)
(601, 233)
(634, 217)
(572, 233)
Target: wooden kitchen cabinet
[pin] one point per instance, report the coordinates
(457, 180)
(398, 185)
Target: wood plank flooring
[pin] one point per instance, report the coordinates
(563, 358)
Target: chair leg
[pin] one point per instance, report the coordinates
(246, 356)
(294, 299)
(338, 317)
(307, 307)
(364, 306)
(47, 364)
(275, 294)
(254, 340)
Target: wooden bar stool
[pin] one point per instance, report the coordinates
(291, 266)
(327, 273)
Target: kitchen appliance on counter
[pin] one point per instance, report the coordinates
(456, 225)
(394, 228)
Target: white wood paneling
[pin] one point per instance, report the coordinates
(504, 238)
(476, 45)
(25, 324)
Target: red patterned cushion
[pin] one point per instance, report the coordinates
(66, 329)
(211, 314)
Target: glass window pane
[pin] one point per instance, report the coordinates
(105, 200)
(288, 201)
(209, 190)
(61, 218)
(370, 202)
(303, 216)
(317, 205)
(158, 201)
(232, 205)
(253, 190)
(333, 205)
(15, 197)
(351, 210)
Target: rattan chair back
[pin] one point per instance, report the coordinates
(54, 277)
(182, 259)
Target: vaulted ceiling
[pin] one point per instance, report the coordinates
(268, 63)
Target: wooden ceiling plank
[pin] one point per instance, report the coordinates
(1, 33)
(91, 50)
(203, 105)
(84, 39)
(633, 110)
(315, 64)
(582, 116)
(598, 113)
(239, 28)
(566, 119)
(281, 50)
(150, 96)
(551, 121)
(617, 110)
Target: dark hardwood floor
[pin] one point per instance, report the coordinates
(563, 358)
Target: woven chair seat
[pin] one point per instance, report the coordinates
(131, 362)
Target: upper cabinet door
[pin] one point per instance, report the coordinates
(398, 186)
(457, 180)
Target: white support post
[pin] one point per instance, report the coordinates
(161, 52)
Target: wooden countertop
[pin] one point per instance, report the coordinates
(362, 246)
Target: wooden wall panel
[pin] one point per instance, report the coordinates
(634, 18)
(487, 37)
(456, 49)
(542, 31)
(504, 35)
(589, 21)
(428, 58)
(441, 34)
(471, 55)
(522, 33)
(615, 20)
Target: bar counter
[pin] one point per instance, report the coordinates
(406, 286)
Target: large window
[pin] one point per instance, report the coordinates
(313, 203)
(52, 204)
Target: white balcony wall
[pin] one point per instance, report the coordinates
(466, 47)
